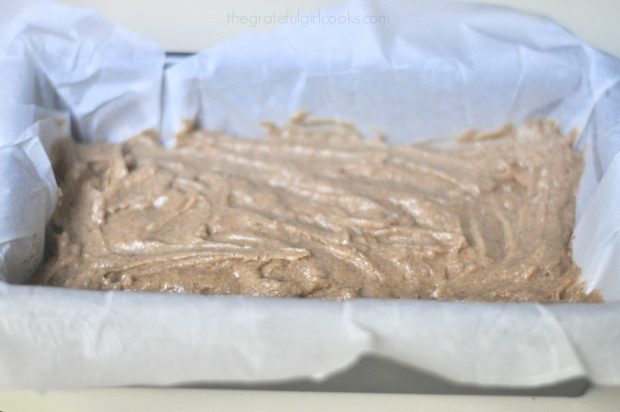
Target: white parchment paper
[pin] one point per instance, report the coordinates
(433, 69)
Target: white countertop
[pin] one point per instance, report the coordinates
(191, 400)
(191, 25)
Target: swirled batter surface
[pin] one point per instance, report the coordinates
(315, 210)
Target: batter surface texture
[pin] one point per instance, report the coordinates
(315, 210)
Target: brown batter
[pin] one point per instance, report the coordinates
(317, 211)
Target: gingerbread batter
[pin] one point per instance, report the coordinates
(315, 210)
